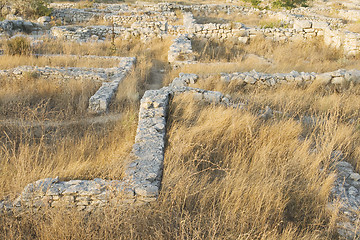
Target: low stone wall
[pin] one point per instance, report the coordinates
(339, 77)
(84, 34)
(156, 21)
(73, 15)
(15, 26)
(99, 102)
(82, 194)
(181, 51)
(63, 74)
(98, 7)
(115, 58)
(96, 33)
(76, 16)
(345, 197)
(121, 20)
(303, 29)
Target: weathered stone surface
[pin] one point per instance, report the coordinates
(323, 78)
(339, 77)
(301, 24)
(98, 103)
(181, 50)
(345, 195)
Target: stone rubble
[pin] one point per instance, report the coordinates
(11, 27)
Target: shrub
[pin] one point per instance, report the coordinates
(85, 4)
(254, 3)
(28, 8)
(290, 3)
(17, 46)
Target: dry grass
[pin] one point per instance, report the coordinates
(309, 56)
(68, 99)
(337, 107)
(353, 27)
(250, 20)
(313, 99)
(124, 48)
(77, 151)
(48, 132)
(240, 177)
(228, 175)
(7, 62)
(44, 98)
(44, 135)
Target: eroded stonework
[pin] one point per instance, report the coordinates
(99, 102)
(339, 77)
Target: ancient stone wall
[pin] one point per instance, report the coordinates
(63, 74)
(339, 77)
(99, 102)
(157, 20)
(181, 51)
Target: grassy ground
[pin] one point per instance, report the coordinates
(7, 62)
(228, 175)
(268, 56)
(45, 132)
(335, 106)
(250, 20)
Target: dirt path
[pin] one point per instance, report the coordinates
(157, 74)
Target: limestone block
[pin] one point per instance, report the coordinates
(301, 24)
(320, 24)
(250, 80)
(244, 40)
(338, 80)
(324, 78)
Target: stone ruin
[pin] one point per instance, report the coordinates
(161, 20)
(99, 102)
(143, 173)
(339, 77)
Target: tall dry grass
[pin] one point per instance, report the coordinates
(48, 132)
(44, 98)
(227, 175)
(250, 20)
(311, 99)
(75, 151)
(337, 106)
(7, 62)
(268, 56)
(123, 47)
